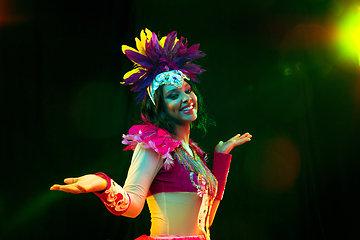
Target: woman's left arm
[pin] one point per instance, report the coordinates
(221, 165)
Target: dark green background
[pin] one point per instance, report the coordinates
(271, 71)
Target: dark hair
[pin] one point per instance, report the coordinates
(159, 115)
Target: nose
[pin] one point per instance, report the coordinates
(186, 98)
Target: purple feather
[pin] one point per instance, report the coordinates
(145, 82)
(194, 68)
(139, 58)
(141, 96)
(134, 77)
(169, 43)
(194, 48)
(156, 45)
(157, 59)
(177, 46)
(151, 50)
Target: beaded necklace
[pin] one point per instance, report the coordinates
(207, 184)
(206, 180)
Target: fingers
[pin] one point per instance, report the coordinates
(236, 140)
(70, 180)
(244, 138)
(245, 135)
(234, 137)
(239, 136)
(239, 139)
(81, 188)
(71, 188)
(55, 187)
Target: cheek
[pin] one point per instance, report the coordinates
(172, 106)
(194, 98)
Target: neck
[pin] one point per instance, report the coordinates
(183, 133)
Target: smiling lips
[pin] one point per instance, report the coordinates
(188, 108)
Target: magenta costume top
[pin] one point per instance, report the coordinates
(176, 205)
(176, 179)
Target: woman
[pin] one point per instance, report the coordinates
(168, 169)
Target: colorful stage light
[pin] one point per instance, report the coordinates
(348, 34)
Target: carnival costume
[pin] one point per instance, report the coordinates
(177, 184)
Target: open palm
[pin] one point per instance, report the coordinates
(84, 184)
(226, 147)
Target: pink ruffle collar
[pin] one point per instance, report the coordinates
(160, 140)
(151, 136)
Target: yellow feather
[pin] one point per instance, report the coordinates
(127, 84)
(162, 41)
(148, 34)
(139, 46)
(142, 37)
(124, 47)
(135, 70)
(129, 73)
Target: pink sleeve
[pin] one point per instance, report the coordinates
(221, 167)
(115, 199)
(129, 200)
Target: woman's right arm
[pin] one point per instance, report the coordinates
(129, 200)
(145, 165)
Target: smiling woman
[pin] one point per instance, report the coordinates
(159, 114)
(168, 169)
(181, 103)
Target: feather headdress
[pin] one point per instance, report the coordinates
(153, 57)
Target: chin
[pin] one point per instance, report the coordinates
(191, 119)
(184, 121)
(194, 119)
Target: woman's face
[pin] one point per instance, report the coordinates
(181, 103)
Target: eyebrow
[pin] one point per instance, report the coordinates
(175, 89)
(172, 90)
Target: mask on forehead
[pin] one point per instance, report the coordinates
(174, 77)
(159, 62)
